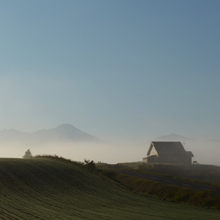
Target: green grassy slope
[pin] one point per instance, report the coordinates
(55, 189)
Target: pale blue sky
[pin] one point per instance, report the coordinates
(121, 70)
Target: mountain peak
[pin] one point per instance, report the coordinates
(65, 126)
(172, 137)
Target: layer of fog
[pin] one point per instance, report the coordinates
(205, 152)
(106, 153)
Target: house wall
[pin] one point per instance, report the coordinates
(185, 160)
(171, 159)
(151, 159)
(188, 160)
(145, 160)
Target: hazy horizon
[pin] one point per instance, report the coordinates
(69, 142)
(124, 71)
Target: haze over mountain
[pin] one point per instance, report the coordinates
(172, 137)
(70, 142)
(62, 133)
(64, 140)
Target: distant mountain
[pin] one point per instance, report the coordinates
(171, 137)
(13, 135)
(62, 133)
(214, 141)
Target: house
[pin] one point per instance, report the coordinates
(167, 152)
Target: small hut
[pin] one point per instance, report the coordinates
(168, 152)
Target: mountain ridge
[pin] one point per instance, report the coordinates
(63, 132)
(171, 137)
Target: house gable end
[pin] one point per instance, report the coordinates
(152, 150)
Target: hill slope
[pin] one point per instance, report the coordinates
(55, 189)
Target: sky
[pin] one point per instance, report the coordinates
(121, 70)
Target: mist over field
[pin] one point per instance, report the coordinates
(72, 143)
(66, 141)
(108, 153)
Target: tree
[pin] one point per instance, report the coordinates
(89, 164)
(28, 154)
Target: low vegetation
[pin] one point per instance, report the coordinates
(56, 188)
(204, 174)
(208, 199)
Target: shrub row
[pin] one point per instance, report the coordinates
(87, 163)
(163, 191)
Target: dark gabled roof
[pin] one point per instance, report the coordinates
(165, 148)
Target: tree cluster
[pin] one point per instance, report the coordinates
(27, 154)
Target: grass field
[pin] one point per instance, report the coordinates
(206, 174)
(46, 188)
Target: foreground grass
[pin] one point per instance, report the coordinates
(45, 188)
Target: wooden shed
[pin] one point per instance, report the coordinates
(168, 152)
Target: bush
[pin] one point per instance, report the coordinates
(27, 154)
(90, 164)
